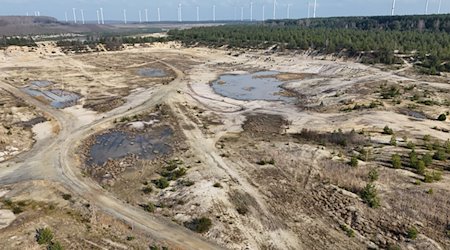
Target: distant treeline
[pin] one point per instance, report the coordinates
(16, 41)
(393, 23)
(429, 49)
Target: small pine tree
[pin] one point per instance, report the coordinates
(354, 161)
(370, 196)
(393, 140)
(396, 161)
(421, 167)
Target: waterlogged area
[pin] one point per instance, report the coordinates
(57, 98)
(249, 87)
(151, 72)
(146, 145)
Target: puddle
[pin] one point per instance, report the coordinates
(257, 86)
(114, 145)
(41, 84)
(56, 97)
(150, 72)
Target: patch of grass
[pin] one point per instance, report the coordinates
(433, 176)
(348, 230)
(373, 175)
(412, 233)
(440, 155)
(187, 183)
(199, 225)
(354, 161)
(266, 162)
(396, 161)
(147, 189)
(55, 246)
(149, 207)
(161, 183)
(66, 196)
(338, 138)
(44, 236)
(387, 130)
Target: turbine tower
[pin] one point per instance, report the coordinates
(440, 5)
(274, 9)
(198, 14)
(146, 15)
(74, 15)
(124, 16)
(288, 11)
(263, 12)
(426, 7)
(393, 8)
(179, 13)
(65, 15)
(159, 14)
(251, 11)
(214, 13)
(101, 16)
(315, 8)
(140, 16)
(82, 16)
(98, 17)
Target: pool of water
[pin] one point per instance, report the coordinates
(151, 72)
(119, 144)
(256, 86)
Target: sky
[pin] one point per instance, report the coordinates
(225, 9)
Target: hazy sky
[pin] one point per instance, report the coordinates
(225, 9)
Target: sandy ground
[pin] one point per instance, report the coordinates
(290, 206)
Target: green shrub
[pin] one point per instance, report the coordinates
(161, 183)
(67, 197)
(388, 131)
(396, 161)
(44, 236)
(149, 207)
(442, 117)
(440, 155)
(421, 167)
(412, 233)
(411, 145)
(354, 161)
(348, 230)
(373, 175)
(55, 246)
(393, 141)
(217, 185)
(413, 160)
(427, 159)
(199, 225)
(433, 176)
(147, 190)
(370, 196)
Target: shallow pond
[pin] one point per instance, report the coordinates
(257, 86)
(58, 98)
(151, 72)
(118, 144)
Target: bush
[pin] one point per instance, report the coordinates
(411, 145)
(412, 233)
(67, 197)
(199, 225)
(370, 196)
(413, 160)
(440, 155)
(354, 161)
(388, 131)
(217, 185)
(427, 159)
(421, 167)
(396, 161)
(373, 175)
(393, 141)
(147, 190)
(44, 236)
(433, 176)
(55, 246)
(161, 183)
(348, 230)
(442, 117)
(265, 162)
(149, 207)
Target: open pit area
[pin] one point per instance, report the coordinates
(197, 148)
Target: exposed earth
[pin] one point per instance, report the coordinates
(141, 152)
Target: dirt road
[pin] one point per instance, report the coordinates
(56, 160)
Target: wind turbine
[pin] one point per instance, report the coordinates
(140, 16)
(159, 14)
(440, 5)
(101, 15)
(214, 13)
(74, 15)
(309, 9)
(274, 9)
(393, 8)
(251, 11)
(124, 16)
(426, 7)
(82, 16)
(146, 15)
(198, 14)
(263, 13)
(315, 8)
(179, 13)
(98, 17)
(65, 15)
(288, 11)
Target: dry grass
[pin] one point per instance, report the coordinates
(344, 176)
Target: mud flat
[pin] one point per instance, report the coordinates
(152, 72)
(57, 98)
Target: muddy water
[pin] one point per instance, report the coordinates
(119, 144)
(257, 86)
(150, 72)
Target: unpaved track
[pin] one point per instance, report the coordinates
(57, 161)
